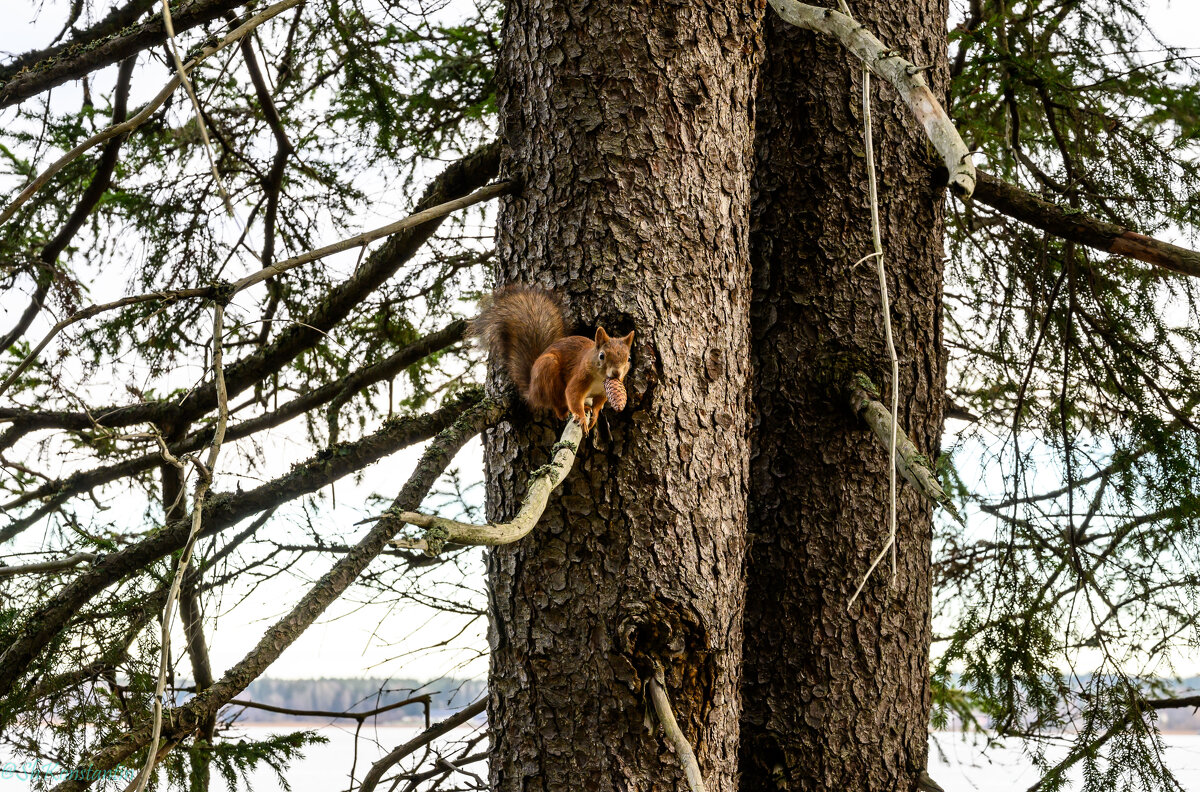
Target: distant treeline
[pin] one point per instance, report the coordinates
(353, 695)
(1184, 719)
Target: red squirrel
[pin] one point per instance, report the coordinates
(524, 327)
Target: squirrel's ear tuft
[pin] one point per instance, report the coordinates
(628, 340)
(601, 336)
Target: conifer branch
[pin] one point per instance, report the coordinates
(112, 39)
(542, 482)
(159, 99)
(182, 720)
(423, 699)
(905, 77)
(460, 177)
(220, 511)
(1052, 779)
(226, 291)
(1073, 225)
(97, 187)
(56, 492)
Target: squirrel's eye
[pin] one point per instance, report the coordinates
(602, 356)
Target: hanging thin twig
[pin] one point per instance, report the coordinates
(877, 242)
(881, 270)
(203, 484)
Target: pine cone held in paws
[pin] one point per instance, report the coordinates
(615, 390)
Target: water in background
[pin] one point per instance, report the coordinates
(956, 764)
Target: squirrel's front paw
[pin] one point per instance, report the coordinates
(582, 420)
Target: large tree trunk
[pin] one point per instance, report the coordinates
(835, 699)
(629, 124)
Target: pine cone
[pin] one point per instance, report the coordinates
(615, 390)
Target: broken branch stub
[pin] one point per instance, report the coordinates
(904, 76)
(912, 466)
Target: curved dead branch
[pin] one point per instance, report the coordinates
(904, 76)
(543, 481)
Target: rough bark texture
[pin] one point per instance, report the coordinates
(630, 126)
(837, 700)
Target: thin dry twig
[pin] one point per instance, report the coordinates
(169, 26)
(47, 566)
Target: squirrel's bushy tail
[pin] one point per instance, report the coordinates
(516, 325)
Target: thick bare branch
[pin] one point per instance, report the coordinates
(116, 20)
(1070, 224)
(904, 76)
